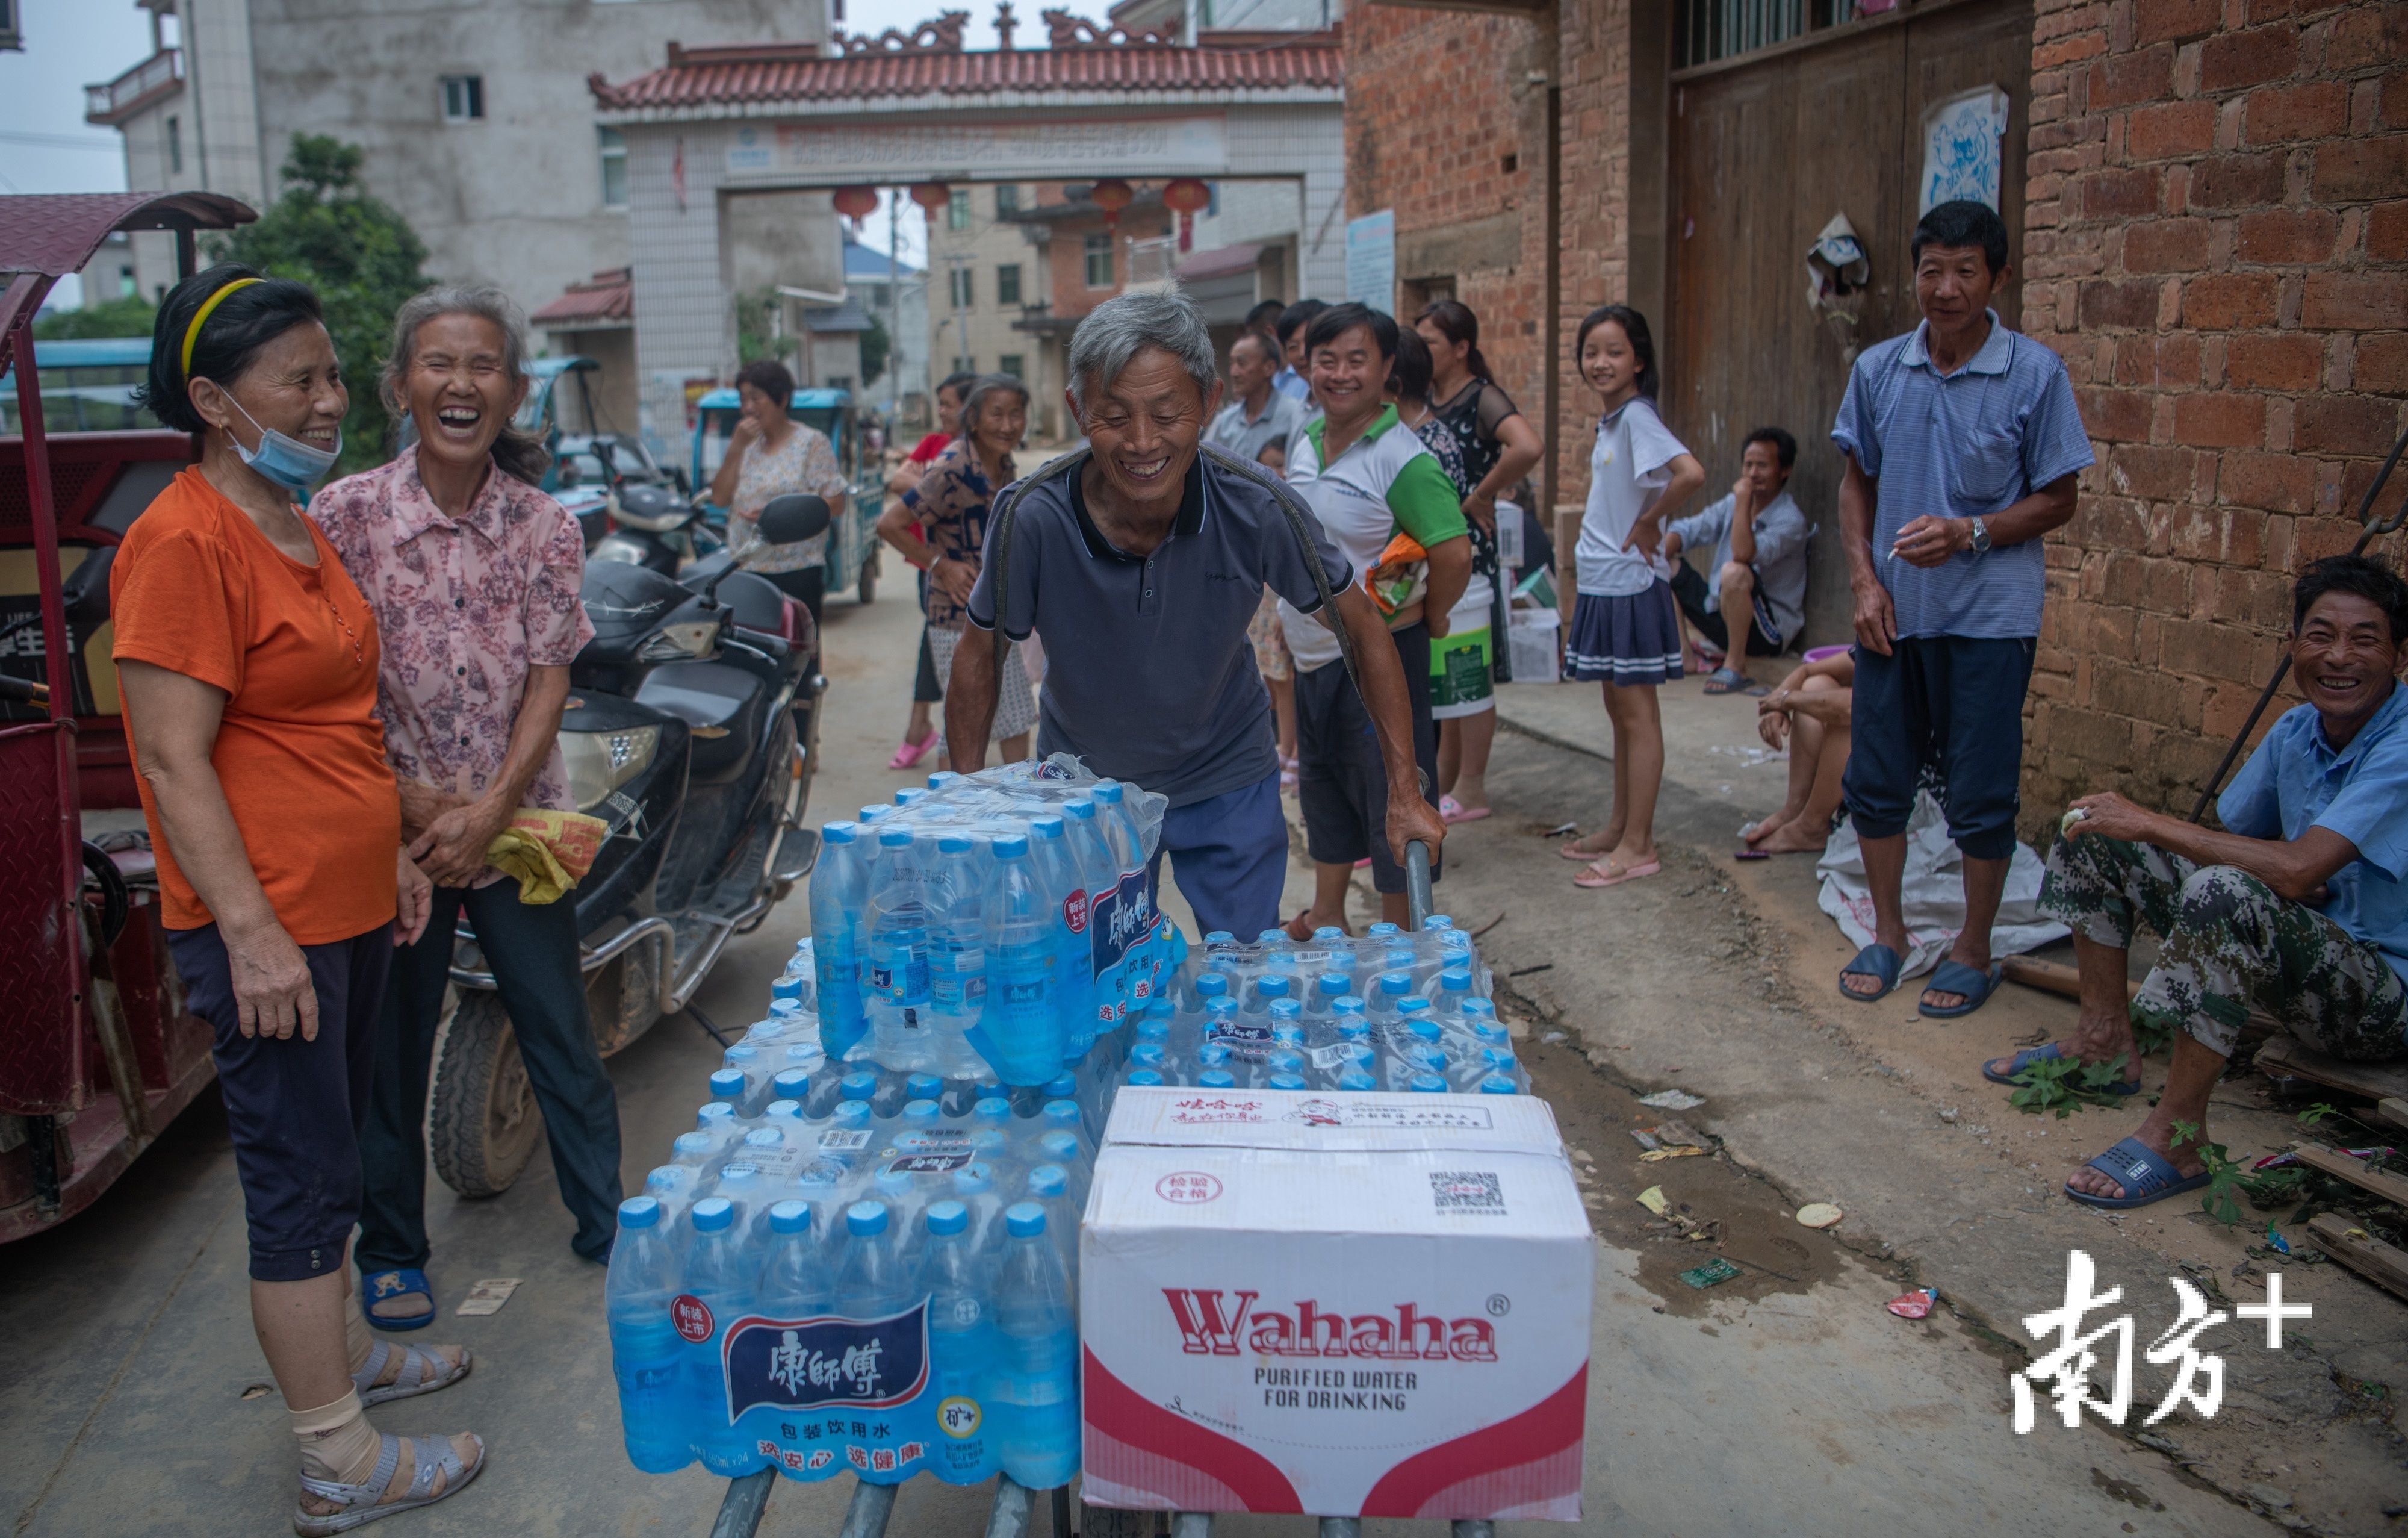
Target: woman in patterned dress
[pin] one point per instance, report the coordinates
(771, 454)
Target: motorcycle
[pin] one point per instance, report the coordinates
(691, 729)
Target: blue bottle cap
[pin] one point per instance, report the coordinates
(1061, 1113)
(921, 1112)
(953, 843)
(1284, 1062)
(1211, 985)
(1357, 1050)
(791, 1085)
(1438, 921)
(941, 778)
(784, 1110)
(739, 1055)
(718, 1113)
(1144, 1078)
(1355, 1078)
(741, 1176)
(1352, 1028)
(1399, 959)
(1218, 938)
(1061, 1146)
(1428, 1083)
(923, 1086)
(638, 1212)
(1287, 1033)
(1106, 792)
(1081, 808)
(1047, 1180)
(786, 990)
(1218, 1007)
(974, 1179)
(1328, 932)
(946, 1218)
(1216, 1078)
(1410, 1007)
(1498, 1057)
(910, 794)
(1394, 983)
(1045, 828)
(859, 1086)
(1271, 936)
(1497, 1084)
(1010, 846)
(790, 1217)
(851, 1114)
(1024, 1219)
(691, 1142)
(894, 838)
(1383, 930)
(765, 1137)
(1063, 1086)
(1287, 1081)
(666, 1178)
(1423, 1026)
(1350, 1005)
(728, 1084)
(893, 1183)
(713, 1214)
(839, 832)
(1455, 980)
(876, 812)
(1285, 1013)
(995, 1108)
(1147, 1054)
(1153, 1028)
(1333, 984)
(1271, 986)
(865, 1217)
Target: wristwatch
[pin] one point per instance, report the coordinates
(1980, 537)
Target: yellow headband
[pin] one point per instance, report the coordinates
(192, 332)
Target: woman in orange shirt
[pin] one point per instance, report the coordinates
(248, 664)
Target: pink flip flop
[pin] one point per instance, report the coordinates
(1451, 810)
(1600, 875)
(911, 753)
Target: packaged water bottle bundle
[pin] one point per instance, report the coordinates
(1391, 1010)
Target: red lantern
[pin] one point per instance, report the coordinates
(1112, 194)
(1188, 197)
(856, 203)
(932, 196)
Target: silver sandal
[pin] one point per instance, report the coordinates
(421, 1372)
(364, 1503)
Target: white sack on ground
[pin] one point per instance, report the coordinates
(1933, 893)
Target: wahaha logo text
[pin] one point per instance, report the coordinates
(1223, 1324)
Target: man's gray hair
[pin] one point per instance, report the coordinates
(1118, 329)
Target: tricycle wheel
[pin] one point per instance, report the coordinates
(482, 1127)
(1107, 1522)
(868, 581)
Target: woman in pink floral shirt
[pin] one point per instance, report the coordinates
(473, 573)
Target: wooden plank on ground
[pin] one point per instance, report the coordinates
(2370, 1080)
(2393, 1109)
(2390, 1187)
(2361, 1251)
(2048, 976)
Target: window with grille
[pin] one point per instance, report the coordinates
(1014, 364)
(1007, 201)
(957, 209)
(1710, 30)
(464, 98)
(1007, 283)
(614, 168)
(1098, 250)
(962, 292)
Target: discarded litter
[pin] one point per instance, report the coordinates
(1674, 1130)
(1819, 1214)
(2276, 1242)
(486, 1296)
(1561, 829)
(1914, 1305)
(1644, 1138)
(1672, 1100)
(1653, 1199)
(1670, 1151)
(1551, 1038)
(1713, 1273)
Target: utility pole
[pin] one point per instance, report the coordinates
(894, 311)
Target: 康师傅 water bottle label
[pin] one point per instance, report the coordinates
(1119, 919)
(1245, 1038)
(806, 1365)
(927, 1164)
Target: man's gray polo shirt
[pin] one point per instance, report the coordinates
(1149, 676)
(1962, 445)
(1247, 437)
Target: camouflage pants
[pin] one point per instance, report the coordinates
(2230, 942)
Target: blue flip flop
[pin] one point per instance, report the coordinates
(1957, 978)
(1874, 960)
(376, 1286)
(2048, 1053)
(2143, 1171)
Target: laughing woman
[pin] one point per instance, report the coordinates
(248, 661)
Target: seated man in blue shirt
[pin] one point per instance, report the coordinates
(1754, 603)
(2299, 907)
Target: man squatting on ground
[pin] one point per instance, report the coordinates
(1139, 565)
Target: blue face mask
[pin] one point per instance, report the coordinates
(284, 458)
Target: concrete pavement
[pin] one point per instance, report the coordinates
(1788, 1402)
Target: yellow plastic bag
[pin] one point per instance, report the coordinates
(548, 852)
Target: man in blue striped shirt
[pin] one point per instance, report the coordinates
(1962, 445)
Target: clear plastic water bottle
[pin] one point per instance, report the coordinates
(794, 1281)
(1216, 1078)
(1023, 1028)
(693, 1149)
(958, 938)
(1101, 878)
(647, 1355)
(839, 897)
(1058, 875)
(871, 1280)
(719, 1275)
(896, 974)
(1035, 1382)
(1357, 1079)
(1453, 988)
(961, 1327)
(1498, 1083)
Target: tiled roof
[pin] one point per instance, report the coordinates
(607, 297)
(735, 82)
(866, 264)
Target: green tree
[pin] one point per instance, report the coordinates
(360, 257)
(876, 348)
(129, 316)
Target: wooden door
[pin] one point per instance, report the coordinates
(1763, 153)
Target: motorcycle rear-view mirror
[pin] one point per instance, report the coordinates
(792, 518)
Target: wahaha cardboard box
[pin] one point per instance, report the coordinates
(1343, 1305)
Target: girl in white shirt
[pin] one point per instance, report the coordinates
(1626, 629)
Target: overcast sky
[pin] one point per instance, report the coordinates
(47, 147)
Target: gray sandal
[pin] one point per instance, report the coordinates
(364, 1503)
(421, 1372)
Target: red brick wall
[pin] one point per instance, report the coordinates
(1595, 63)
(1435, 102)
(2218, 243)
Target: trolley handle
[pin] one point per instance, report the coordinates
(1417, 882)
